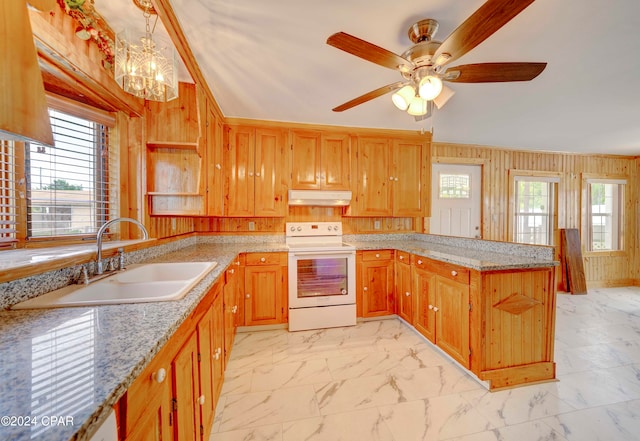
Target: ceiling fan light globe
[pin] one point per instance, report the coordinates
(418, 107)
(402, 98)
(429, 87)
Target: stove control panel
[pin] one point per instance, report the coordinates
(293, 229)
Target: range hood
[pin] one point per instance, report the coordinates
(325, 198)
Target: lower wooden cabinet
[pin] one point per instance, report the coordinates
(186, 388)
(265, 288)
(375, 283)
(442, 306)
(231, 305)
(174, 397)
(404, 288)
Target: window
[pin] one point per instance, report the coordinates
(534, 207)
(8, 202)
(605, 214)
(455, 186)
(67, 185)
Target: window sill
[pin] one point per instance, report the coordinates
(25, 262)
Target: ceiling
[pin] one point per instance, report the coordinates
(269, 61)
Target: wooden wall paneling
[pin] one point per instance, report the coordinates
(77, 63)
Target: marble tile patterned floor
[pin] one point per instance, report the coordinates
(380, 380)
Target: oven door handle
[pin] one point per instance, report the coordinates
(321, 253)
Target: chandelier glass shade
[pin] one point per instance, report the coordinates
(146, 65)
(430, 87)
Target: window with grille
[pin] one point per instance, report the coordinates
(8, 194)
(67, 185)
(455, 186)
(534, 209)
(605, 207)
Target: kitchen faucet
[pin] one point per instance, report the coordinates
(101, 231)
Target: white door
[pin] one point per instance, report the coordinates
(456, 200)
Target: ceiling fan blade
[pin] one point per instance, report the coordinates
(369, 96)
(493, 72)
(490, 17)
(369, 51)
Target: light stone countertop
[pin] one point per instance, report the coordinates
(77, 362)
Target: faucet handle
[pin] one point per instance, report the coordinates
(121, 266)
(83, 278)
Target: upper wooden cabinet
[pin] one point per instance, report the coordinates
(320, 160)
(255, 179)
(393, 176)
(176, 154)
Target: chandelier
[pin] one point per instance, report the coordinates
(146, 65)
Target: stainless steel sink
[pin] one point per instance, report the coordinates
(153, 282)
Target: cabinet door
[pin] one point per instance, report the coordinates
(156, 422)
(374, 178)
(206, 358)
(424, 287)
(335, 162)
(408, 178)
(239, 161)
(186, 389)
(452, 332)
(305, 160)
(404, 288)
(263, 295)
(215, 172)
(218, 344)
(270, 179)
(230, 306)
(377, 288)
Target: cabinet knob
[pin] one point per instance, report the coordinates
(396, 179)
(401, 257)
(419, 262)
(391, 178)
(407, 294)
(435, 309)
(454, 273)
(258, 175)
(160, 375)
(248, 296)
(430, 306)
(377, 255)
(216, 354)
(262, 259)
(364, 289)
(218, 167)
(251, 174)
(201, 400)
(234, 309)
(232, 271)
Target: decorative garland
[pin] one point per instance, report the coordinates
(90, 27)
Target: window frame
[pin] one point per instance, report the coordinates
(557, 200)
(592, 178)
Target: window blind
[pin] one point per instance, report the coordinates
(67, 185)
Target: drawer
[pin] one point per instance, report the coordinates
(443, 269)
(377, 255)
(252, 259)
(403, 257)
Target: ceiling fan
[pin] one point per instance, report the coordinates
(423, 66)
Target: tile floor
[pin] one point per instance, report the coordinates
(380, 380)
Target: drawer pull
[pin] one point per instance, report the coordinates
(232, 270)
(401, 257)
(160, 375)
(454, 273)
(377, 255)
(262, 259)
(419, 262)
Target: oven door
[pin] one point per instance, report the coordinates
(321, 278)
